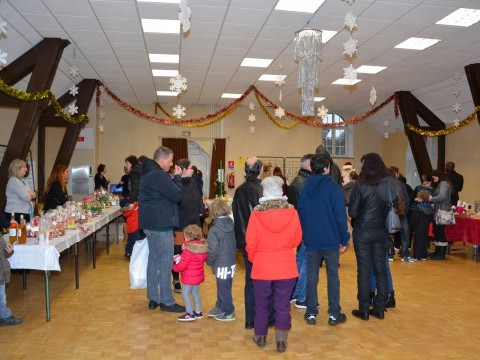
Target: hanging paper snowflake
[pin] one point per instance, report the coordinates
(252, 118)
(385, 135)
(350, 73)
(279, 112)
(73, 72)
(456, 108)
(101, 129)
(102, 115)
(349, 2)
(373, 96)
(386, 123)
(3, 29)
(322, 112)
(350, 47)
(280, 80)
(456, 122)
(3, 58)
(350, 21)
(251, 129)
(72, 109)
(178, 84)
(184, 15)
(179, 111)
(456, 93)
(73, 90)
(251, 106)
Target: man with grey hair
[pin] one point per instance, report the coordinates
(299, 294)
(159, 196)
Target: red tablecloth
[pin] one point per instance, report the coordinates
(466, 229)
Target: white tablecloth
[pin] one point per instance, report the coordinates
(46, 257)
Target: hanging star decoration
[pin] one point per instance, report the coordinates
(456, 93)
(350, 47)
(101, 129)
(350, 73)
(373, 96)
(102, 115)
(73, 90)
(456, 108)
(386, 123)
(3, 29)
(456, 122)
(322, 112)
(3, 58)
(73, 72)
(279, 112)
(184, 14)
(178, 84)
(280, 80)
(385, 135)
(251, 106)
(350, 21)
(179, 111)
(251, 129)
(349, 2)
(72, 109)
(252, 118)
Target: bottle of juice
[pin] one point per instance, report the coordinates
(12, 230)
(22, 231)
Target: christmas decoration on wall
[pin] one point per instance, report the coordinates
(350, 46)
(184, 14)
(251, 117)
(308, 46)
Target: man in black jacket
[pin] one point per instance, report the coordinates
(457, 181)
(159, 196)
(245, 199)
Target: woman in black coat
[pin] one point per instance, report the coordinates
(56, 191)
(368, 209)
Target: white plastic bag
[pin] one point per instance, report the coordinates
(138, 265)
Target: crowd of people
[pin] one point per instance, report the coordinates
(285, 232)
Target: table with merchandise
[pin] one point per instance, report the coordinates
(466, 230)
(45, 256)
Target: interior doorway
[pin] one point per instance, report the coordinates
(201, 160)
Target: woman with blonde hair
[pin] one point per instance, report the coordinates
(56, 190)
(18, 193)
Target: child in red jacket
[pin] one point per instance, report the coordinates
(134, 233)
(190, 266)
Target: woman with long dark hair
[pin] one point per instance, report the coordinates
(368, 209)
(56, 190)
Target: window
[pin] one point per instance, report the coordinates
(337, 141)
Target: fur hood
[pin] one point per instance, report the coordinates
(196, 246)
(273, 204)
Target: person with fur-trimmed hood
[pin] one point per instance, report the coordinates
(273, 233)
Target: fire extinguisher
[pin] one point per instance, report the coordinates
(231, 180)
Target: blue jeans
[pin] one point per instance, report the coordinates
(314, 257)
(193, 290)
(224, 295)
(373, 279)
(5, 311)
(300, 292)
(160, 246)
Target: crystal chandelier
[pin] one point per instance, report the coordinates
(308, 46)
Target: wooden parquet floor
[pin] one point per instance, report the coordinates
(437, 317)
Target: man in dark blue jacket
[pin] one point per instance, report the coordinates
(324, 224)
(158, 214)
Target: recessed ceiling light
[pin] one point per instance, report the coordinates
(161, 1)
(230, 96)
(417, 43)
(253, 62)
(370, 69)
(318, 98)
(164, 73)
(270, 77)
(344, 81)
(327, 35)
(164, 58)
(461, 17)
(307, 6)
(166, 93)
(161, 26)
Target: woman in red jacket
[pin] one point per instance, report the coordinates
(273, 234)
(190, 266)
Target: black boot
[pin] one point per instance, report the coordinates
(391, 300)
(440, 255)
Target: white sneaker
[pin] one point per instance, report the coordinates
(409, 259)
